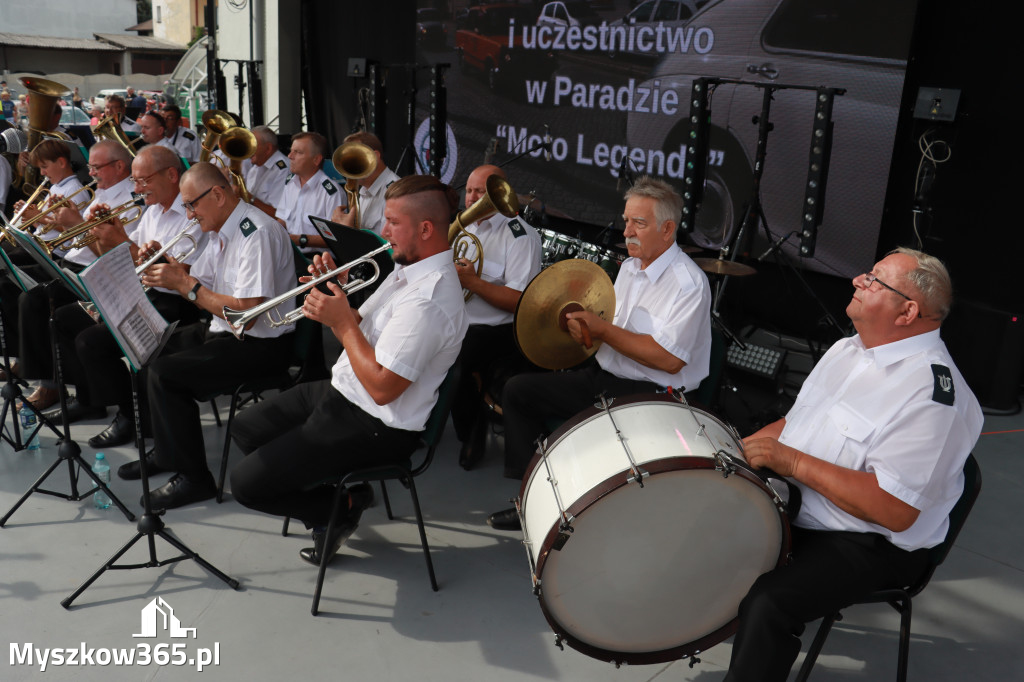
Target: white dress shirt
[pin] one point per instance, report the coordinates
(266, 182)
(250, 257)
(511, 259)
(415, 322)
(68, 185)
(186, 143)
(371, 201)
(162, 225)
(113, 197)
(901, 411)
(319, 197)
(671, 301)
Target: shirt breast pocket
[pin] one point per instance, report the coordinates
(493, 269)
(849, 426)
(642, 321)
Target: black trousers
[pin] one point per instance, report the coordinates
(483, 348)
(829, 571)
(36, 352)
(194, 366)
(308, 434)
(532, 401)
(91, 358)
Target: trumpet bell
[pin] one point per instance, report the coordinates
(354, 160)
(237, 143)
(44, 94)
(217, 123)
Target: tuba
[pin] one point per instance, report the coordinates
(43, 96)
(499, 198)
(217, 123)
(238, 144)
(355, 161)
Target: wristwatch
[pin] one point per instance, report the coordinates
(193, 293)
(303, 240)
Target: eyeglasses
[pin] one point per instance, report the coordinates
(93, 167)
(871, 278)
(143, 182)
(191, 205)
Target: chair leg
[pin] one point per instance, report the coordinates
(227, 448)
(423, 533)
(216, 413)
(387, 500)
(284, 526)
(338, 497)
(816, 645)
(905, 614)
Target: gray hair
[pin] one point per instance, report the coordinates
(668, 205)
(931, 278)
(265, 134)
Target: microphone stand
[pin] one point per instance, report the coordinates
(67, 449)
(150, 525)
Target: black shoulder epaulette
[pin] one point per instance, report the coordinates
(247, 227)
(329, 186)
(943, 391)
(281, 164)
(289, 178)
(517, 227)
(188, 134)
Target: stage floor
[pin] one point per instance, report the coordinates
(379, 618)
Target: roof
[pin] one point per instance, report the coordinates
(147, 25)
(143, 43)
(56, 43)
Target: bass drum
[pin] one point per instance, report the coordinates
(646, 573)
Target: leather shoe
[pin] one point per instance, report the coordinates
(506, 519)
(132, 471)
(43, 397)
(76, 412)
(120, 431)
(180, 491)
(473, 449)
(343, 530)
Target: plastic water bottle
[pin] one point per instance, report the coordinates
(28, 426)
(102, 470)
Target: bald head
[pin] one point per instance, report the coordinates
(476, 185)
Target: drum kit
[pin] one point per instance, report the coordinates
(643, 524)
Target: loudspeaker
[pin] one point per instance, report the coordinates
(987, 345)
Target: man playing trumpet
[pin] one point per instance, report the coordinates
(399, 346)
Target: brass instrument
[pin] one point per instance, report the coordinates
(240, 319)
(60, 203)
(163, 250)
(499, 198)
(16, 218)
(109, 128)
(43, 96)
(238, 144)
(355, 161)
(81, 231)
(217, 123)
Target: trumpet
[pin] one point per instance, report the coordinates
(60, 203)
(499, 198)
(81, 231)
(16, 218)
(240, 319)
(163, 250)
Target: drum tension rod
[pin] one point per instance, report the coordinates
(566, 520)
(638, 474)
(725, 464)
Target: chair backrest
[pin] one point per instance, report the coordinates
(957, 519)
(707, 391)
(438, 417)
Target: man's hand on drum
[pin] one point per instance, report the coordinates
(769, 453)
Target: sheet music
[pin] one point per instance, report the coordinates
(119, 297)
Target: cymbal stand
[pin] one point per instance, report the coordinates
(149, 526)
(67, 449)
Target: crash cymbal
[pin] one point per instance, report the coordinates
(715, 266)
(568, 285)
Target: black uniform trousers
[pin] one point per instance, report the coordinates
(483, 347)
(194, 366)
(830, 570)
(34, 348)
(92, 360)
(531, 401)
(307, 435)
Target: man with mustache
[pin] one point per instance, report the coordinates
(660, 336)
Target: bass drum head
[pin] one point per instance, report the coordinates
(657, 573)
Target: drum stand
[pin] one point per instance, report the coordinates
(149, 525)
(67, 449)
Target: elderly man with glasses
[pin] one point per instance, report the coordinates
(109, 164)
(876, 443)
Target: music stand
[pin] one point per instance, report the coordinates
(141, 333)
(67, 449)
(347, 244)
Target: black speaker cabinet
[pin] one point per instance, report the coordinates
(988, 346)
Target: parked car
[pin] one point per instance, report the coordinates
(430, 30)
(860, 46)
(71, 115)
(101, 97)
(481, 42)
(568, 13)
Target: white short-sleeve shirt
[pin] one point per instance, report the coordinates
(162, 225)
(511, 259)
(186, 143)
(266, 182)
(371, 201)
(319, 197)
(113, 197)
(901, 411)
(671, 301)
